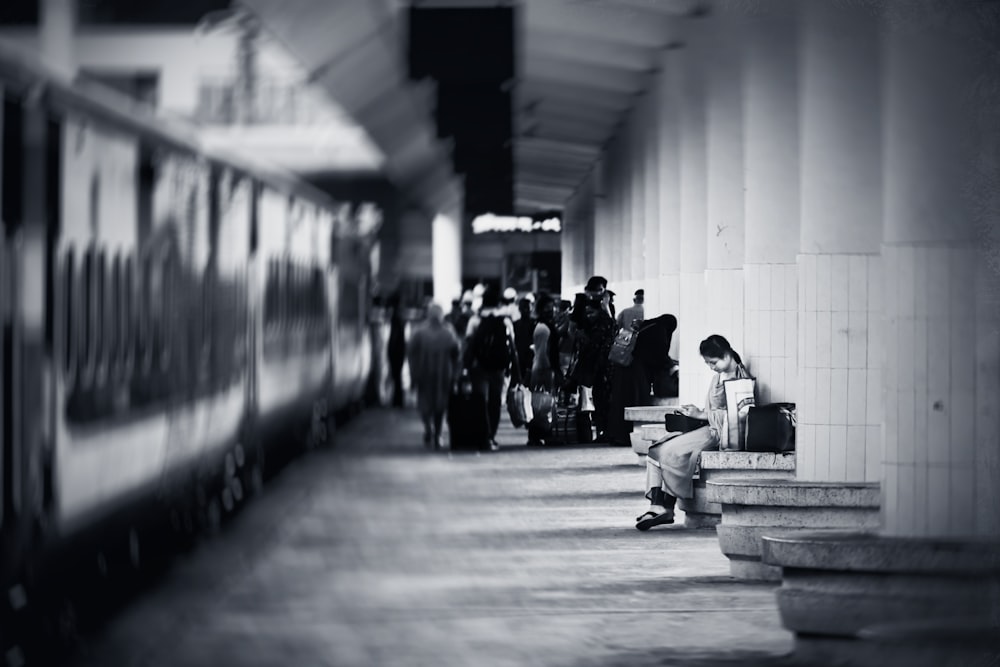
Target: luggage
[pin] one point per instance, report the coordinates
(519, 405)
(771, 428)
(623, 347)
(468, 425)
(570, 425)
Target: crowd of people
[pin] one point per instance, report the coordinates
(562, 349)
(553, 345)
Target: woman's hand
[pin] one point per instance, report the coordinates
(691, 411)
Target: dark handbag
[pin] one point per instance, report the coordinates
(675, 422)
(771, 428)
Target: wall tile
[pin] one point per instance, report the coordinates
(873, 453)
(823, 453)
(838, 452)
(808, 411)
(875, 285)
(805, 451)
(764, 287)
(962, 498)
(809, 341)
(791, 339)
(839, 282)
(791, 281)
(823, 282)
(905, 425)
(988, 499)
(857, 271)
(889, 509)
(824, 336)
(857, 392)
(859, 335)
(939, 491)
(779, 334)
(822, 395)
(840, 335)
(838, 396)
(871, 349)
(906, 497)
(921, 499)
(779, 275)
(807, 268)
(856, 451)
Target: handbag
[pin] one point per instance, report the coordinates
(771, 428)
(623, 347)
(740, 397)
(519, 405)
(675, 422)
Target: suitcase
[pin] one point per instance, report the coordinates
(570, 425)
(468, 425)
(771, 428)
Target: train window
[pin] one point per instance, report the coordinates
(126, 319)
(166, 320)
(69, 328)
(100, 319)
(85, 359)
(144, 319)
(113, 326)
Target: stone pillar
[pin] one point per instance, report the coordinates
(57, 32)
(446, 253)
(723, 307)
(839, 270)
(924, 591)
(771, 154)
(668, 175)
(694, 375)
(651, 210)
(941, 476)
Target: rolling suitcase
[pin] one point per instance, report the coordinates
(468, 425)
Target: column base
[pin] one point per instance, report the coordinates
(701, 510)
(859, 598)
(755, 507)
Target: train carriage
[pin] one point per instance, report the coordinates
(166, 310)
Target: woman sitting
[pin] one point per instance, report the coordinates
(672, 460)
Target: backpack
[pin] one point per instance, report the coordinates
(490, 348)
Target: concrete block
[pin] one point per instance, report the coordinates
(748, 461)
(796, 493)
(652, 432)
(639, 445)
(650, 414)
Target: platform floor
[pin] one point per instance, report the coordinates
(377, 552)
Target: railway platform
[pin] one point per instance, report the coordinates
(374, 551)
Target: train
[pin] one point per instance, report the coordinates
(168, 312)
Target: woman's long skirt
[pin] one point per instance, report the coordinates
(672, 464)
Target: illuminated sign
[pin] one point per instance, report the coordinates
(507, 223)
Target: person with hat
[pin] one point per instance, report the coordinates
(634, 313)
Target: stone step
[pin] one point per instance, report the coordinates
(652, 432)
(740, 461)
(795, 493)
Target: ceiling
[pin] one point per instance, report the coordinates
(580, 66)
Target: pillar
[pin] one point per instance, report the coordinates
(771, 154)
(725, 218)
(668, 177)
(839, 270)
(446, 253)
(694, 375)
(941, 476)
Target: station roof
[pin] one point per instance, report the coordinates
(579, 68)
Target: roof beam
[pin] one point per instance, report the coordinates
(600, 22)
(537, 88)
(553, 44)
(600, 77)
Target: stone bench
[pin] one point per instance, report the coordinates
(755, 508)
(649, 419)
(699, 510)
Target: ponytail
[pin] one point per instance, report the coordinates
(717, 346)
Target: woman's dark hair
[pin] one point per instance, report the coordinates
(491, 298)
(716, 346)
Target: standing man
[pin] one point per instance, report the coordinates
(490, 353)
(633, 313)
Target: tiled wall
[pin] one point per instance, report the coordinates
(694, 375)
(942, 403)
(840, 352)
(770, 340)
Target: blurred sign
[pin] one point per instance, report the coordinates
(495, 223)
